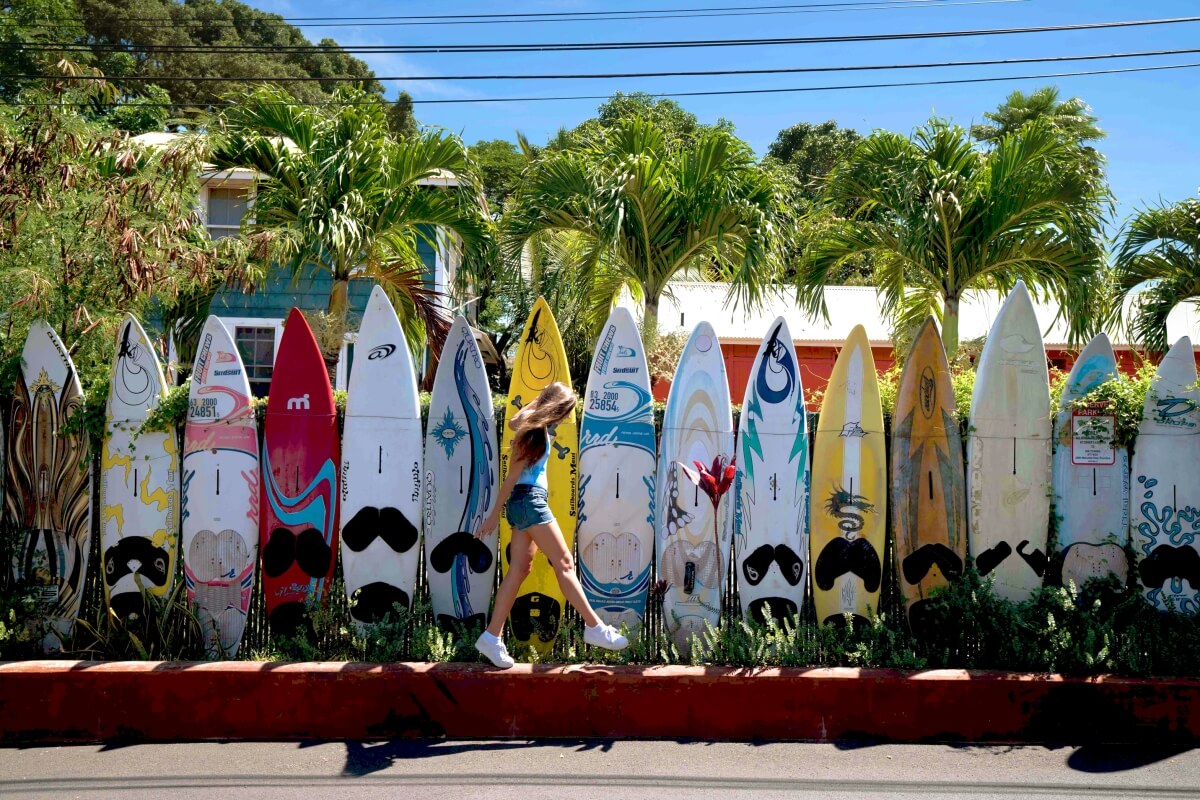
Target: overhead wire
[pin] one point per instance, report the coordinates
(703, 93)
(547, 47)
(568, 16)
(612, 75)
(609, 16)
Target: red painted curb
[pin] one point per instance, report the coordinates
(61, 701)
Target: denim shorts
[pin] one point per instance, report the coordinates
(527, 506)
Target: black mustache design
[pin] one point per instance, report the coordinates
(153, 561)
(307, 549)
(371, 603)
(371, 523)
(856, 557)
(1166, 562)
(128, 605)
(916, 566)
(535, 613)
(479, 555)
(990, 559)
(757, 563)
(291, 619)
(777, 608)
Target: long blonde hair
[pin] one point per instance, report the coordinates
(555, 403)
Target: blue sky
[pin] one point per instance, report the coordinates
(1153, 119)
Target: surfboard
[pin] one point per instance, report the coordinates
(1008, 452)
(1166, 485)
(771, 519)
(300, 480)
(139, 481)
(381, 469)
(541, 360)
(616, 476)
(221, 491)
(849, 490)
(1090, 476)
(929, 492)
(461, 467)
(692, 551)
(47, 495)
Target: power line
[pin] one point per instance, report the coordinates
(610, 75)
(547, 16)
(706, 93)
(608, 16)
(599, 46)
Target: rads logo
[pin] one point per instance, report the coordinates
(382, 351)
(299, 403)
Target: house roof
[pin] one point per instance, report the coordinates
(160, 139)
(687, 304)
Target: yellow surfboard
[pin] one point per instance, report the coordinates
(929, 490)
(848, 502)
(541, 360)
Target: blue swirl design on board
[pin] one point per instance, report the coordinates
(479, 493)
(777, 359)
(312, 507)
(1168, 522)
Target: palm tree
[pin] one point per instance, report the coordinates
(940, 217)
(338, 194)
(1072, 118)
(1158, 257)
(645, 213)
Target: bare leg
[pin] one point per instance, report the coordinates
(521, 551)
(549, 540)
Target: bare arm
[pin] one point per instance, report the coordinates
(489, 525)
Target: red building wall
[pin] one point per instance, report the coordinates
(816, 365)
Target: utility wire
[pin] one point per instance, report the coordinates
(598, 46)
(583, 14)
(610, 16)
(609, 75)
(709, 93)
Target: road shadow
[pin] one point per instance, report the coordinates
(364, 758)
(1101, 758)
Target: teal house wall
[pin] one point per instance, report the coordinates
(310, 293)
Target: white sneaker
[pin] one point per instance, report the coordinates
(605, 636)
(494, 650)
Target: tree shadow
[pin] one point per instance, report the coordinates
(364, 758)
(1101, 758)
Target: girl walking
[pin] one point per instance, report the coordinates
(525, 498)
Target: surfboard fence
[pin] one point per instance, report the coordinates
(1094, 633)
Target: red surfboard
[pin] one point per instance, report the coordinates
(300, 481)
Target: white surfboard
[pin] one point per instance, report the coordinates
(692, 553)
(381, 469)
(617, 464)
(48, 486)
(1091, 475)
(220, 491)
(770, 524)
(1008, 452)
(1165, 489)
(139, 481)
(461, 476)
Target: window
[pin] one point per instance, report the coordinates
(226, 207)
(257, 346)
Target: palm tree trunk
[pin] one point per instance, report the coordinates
(950, 327)
(331, 346)
(650, 319)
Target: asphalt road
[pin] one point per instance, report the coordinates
(563, 770)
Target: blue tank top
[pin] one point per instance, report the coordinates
(535, 474)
